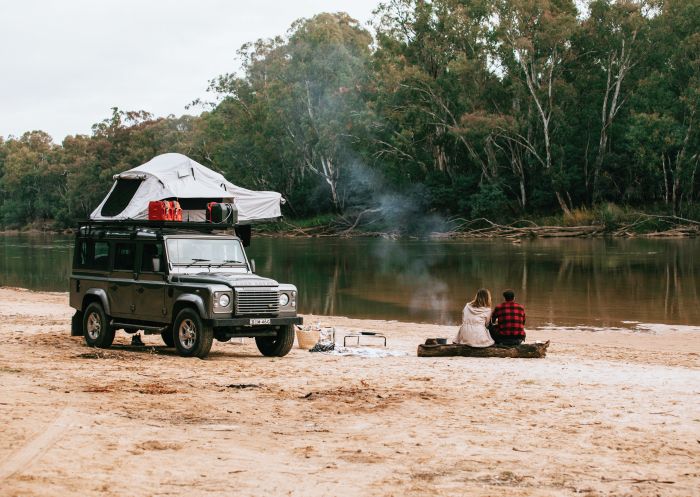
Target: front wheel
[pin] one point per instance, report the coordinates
(191, 336)
(96, 329)
(278, 346)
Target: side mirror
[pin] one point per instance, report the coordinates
(252, 265)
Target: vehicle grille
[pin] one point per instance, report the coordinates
(257, 301)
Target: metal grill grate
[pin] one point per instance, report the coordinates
(257, 301)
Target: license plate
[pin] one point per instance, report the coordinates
(260, 321)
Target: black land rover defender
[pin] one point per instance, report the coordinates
(185, 281)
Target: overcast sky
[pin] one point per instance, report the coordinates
(64, 64)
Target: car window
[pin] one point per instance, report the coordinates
(101, 260)
(152, 258)
(205, 251)
(93, 255)
(124, 257)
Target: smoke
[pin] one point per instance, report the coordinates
(414, 269)
(397, 211)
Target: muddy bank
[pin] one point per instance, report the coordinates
(606, 413)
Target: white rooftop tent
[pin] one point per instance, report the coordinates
(177, 177)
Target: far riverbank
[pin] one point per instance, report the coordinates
(607, 220)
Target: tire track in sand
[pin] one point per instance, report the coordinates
(26, 455)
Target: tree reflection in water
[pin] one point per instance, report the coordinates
(599, 282)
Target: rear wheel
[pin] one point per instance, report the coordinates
(278, 346)
(191, 336)
(96, 329)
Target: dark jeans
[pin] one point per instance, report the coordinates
(508, 341)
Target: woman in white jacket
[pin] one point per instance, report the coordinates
(475, 317)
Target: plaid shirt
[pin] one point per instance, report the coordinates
(511, 319)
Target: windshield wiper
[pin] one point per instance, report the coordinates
(194, 261)
(232, 261)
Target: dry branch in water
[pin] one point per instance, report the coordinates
(485, 228)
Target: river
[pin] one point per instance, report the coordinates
(562, 282)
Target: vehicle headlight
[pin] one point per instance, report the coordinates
(284, 299)
(224, 300)
(221, 301)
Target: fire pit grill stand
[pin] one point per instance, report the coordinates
(360, 335)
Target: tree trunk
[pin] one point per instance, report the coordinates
(526, 350)
(330, 174)
(544, 111)
(663, 167)
(613, 85)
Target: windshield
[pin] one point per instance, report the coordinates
(205, 252)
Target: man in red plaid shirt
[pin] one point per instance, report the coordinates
(508, 321)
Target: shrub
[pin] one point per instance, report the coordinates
(579, 217)
(609, 215)
(490, 202)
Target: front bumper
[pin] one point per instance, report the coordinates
(246, 322)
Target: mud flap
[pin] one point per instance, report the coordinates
(76, 324)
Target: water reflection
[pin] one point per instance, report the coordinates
(565, 282)
(39, 262)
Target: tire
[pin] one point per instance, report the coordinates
(278, 346)
(96, 329)
(191, 336)
(167, 337)
(76, 324)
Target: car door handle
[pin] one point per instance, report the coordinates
(140, 290)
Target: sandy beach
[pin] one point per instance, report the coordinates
(607, 412)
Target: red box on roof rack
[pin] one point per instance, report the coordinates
(176, 210)
(160, 210)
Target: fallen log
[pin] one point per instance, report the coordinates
(525, 350)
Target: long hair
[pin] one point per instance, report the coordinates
(482, 298)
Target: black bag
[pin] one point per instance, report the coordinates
(222, 213)
(493, 328)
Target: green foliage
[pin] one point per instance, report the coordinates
(316, 221)
(502, 109)
(609, 215)
(490, 202)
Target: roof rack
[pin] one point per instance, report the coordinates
(158, 225)
(243, 232)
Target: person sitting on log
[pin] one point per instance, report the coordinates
(508, 321)
(475, 317)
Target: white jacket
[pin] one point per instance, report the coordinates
(473, 331)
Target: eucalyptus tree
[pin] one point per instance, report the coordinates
(307, 87)
(440, 103)
(533, 46)
(32, 180)
(664, 128)
(610, 45)
(432, 69)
